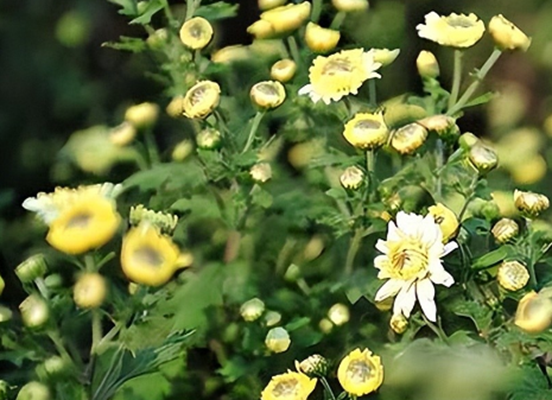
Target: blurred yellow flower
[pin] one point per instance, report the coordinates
(339, 314)
(446, 219)
(267, 94)
(534, 312)
(289, 386)
(512, 275)
(122, 134)
(280, 20)
(529, 171)
(506, 35)
(483, 157)
(277, 340)
(366, 131)
(142, 115)
(283, 70)
(408, 138)
(350, 5)
(321, 40)
(427, 65)
(268, 4)
(340, 74)
(252, 309)
(90, 290)
(261, 172)
(196, 33)
(201, 99)
(229, 54)
(360, 372)
(455, 30)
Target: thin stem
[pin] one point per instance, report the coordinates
(316, 10)
(96, 330)
(532, 274)
(456, 78)
(254, 126)
(327, 387)
(338, 20)
(439, 156)
(151, 147)
(469, 197)
(352, 251)
(294, 49)
(372, 97)
(108, 337)
(479, 76)
(436, 329)
(191, 6)
(58, 343)
(370, 167)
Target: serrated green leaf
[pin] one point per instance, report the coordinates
(126, 43)
(479, 314)
(152, 8)
(128, 7)
(218, 10)
(188, 175)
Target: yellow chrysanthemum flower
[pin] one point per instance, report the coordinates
(455, 30)
(446, 219)
(506, 35)
(411, 260)
(366, 131)
(360, 372)
(196, 33)
(149, 257)
(267, 94)
(289, 386)
(283, 70)
(340, 74)
(201, 99)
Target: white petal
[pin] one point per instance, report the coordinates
(450, 246)
(409, 223)
(307, 89)
(405, 300)
(426, 297)
(430, 233)
(393, 233)
(381, 245)
(389, 289)
(381, 261)
(441, 277)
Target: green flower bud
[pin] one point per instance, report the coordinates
(427, 64)
(313, 366)
(467, 140)
(292, 273)
(32, 268)
(5, 315)
(325, 325)
(272, 318)
(208, 139)
(252, 309)
(51, 367)
(34, 391)
(34, 311)
(277, 340)
(483, 158)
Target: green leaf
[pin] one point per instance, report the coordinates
(297, 323)
(479, 314)
(532, 385)
(493, 257)
(337, 193)
(126, 43)
(218, 10)
(198, 206)
(151, 9)
(261, 197)
(484, 98)
(188, 175)
(128, 7)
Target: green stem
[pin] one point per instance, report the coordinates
(456, 78)
(479, 76)
(353, 250)
(58, 343)
(96, 330)
(469, 197)
(151, 147)
(436, 329)
(338, 20)
(254, 126)
(372, 97)
(294, 49)
(316, 10)
(370, 167)
(327, 387)
(191, 6)
(532, 275)
(439, 156)
(168, 13)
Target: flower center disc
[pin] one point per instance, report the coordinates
(79, 221)
(460, 22)
(337, 66)
(285, 388)
(148, 255)
(197, 96)
(408, 260)
(359, 371)
(365, 125)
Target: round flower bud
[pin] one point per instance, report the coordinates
(443, 125)
(182, 150)
(34, 311)
(314, 248)
(283, 70)
(230, 54)
(446, 219)
(483, 158)
(158, 39)
(467, 140)
(366, 131)
(261, 172)
(427, 65)
(398, 323)
(321, 40)
(53, 281)
(409, 138)
(201, 99)
(385, 56)
(506, 35)
(529, 203)
(252, 309)
(261, 29)
(34, 391)
(512, 275)
(293, 273)
(504, 230)
(277, 340)
(142, 115)
(272, 318)
(268, 4)
(313, 366)
(287, 18)
(350, 5)
(352, 178)
(534, 312)
(32, 268)
(208, 139)
(360, 372)
(325, 325)
(53, 366)
(267, 94)
(123, 134)
(5, 315)
(339, 314)
(196, 33)
(175, 108)
(90, 290)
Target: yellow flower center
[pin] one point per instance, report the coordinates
(366, 124)
(359, 371)
(460, 22)
(285, 388)
(148, 255)
(336, 66)
(268, 90)
(79, 221)
(408, 259)
(197, 95)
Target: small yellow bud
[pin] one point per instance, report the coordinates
(34, 391)
(293, 273)
(350, 5)
(321, 40)
(261, 29)
(534, 312)
(261, 172)
(208, 139)
(314, 248)
(506, 35)
(352, 178)
(398, 323)
(504, 230)
(268, 4)
(142, 115)
(133, 288)
(443, 125)
(90, 290)
(272, 318)
(467, 140)
(483, 158)
(196, 33)
(385, 56)
(201, 99)
(182, 150)
(446, 219)
(339, 314)
(529, 203)
(287, 18)
(32, 268)
(409, 138)
(283, 70)
(267, 94)
(512, 275)
(366, 131)
(123, 134)
(325, 325)
(385, 305)
(277, 340)
(252, 309)
(313, 366)
(427, 65)
(175, 108)
(34, 311)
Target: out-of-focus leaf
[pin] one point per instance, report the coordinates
(132, 44)
(218, 10)
(261, 197)
(128, 7)
(297, 323)
(532, 385)
(188, 175)
(152, 8)
(198, 206)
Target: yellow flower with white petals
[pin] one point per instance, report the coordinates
(360, 372)
(411, 261)
(340, 74)
(196, 33)
(455, 30)
(289, 386)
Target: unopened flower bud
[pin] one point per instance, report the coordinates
(277, 340)
(201, 99)
(398, 323)
(427, 64)
(175, 108)
(385, 56)
(350, 5)
(52, 366)
(272, 318)
(34, 311)
(512, 275)
(196, 33)
(123, 134)
(366, 131)
(158, 39)
(313, 366)
(261, 172)
(287, 18)
(506, 35)
(283, 70)
(321, 40)
(446, 219)
(208, 139)
(261, 29)
(385, 305)
(443, 125)
(352, 178)
(166, 222)
(90, 290)
(142, 115)
(267, 94)
(182, 150)
(467, 140)
(34, 391)
(409, 138)
(293, 273)
(339, 314)
(230, 54)
(53, 281)
(529, 203)
(325, 325)
(314, 248)
(483, 158)
(504, 230)
(5, 315)
(268, 4)
(32, 268)
(252, 309)
(534, 313)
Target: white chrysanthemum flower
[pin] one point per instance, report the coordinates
(454, 30)
(411, 261)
